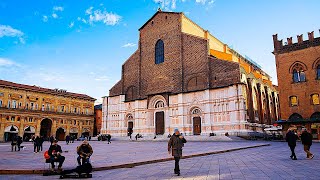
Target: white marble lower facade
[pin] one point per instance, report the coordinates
(196, 113)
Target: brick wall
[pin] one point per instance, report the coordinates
(302, 90)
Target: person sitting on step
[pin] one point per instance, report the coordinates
(55, 155)
(84, 151)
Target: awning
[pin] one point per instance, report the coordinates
(11, 129)
(85, 130)
(298, 121)
(73, 130)
(29, 129)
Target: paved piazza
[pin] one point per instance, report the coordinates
(270, 162)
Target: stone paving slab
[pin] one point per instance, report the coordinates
(114, 154)
(266, 163)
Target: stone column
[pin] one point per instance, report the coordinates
(21, 128)
(80, 129)
(37, 133)
(54, 127)
(2, 122)
(68, 128)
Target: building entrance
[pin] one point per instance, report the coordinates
(45, 130)
(196, 126)
(160, 123)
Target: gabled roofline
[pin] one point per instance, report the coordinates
(159, 11)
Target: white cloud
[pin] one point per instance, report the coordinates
(7, 62)
(129, 45)
(102, 78)
(45, 18)
(54, 15)
(172, 4)
(79, 18)
(11, 32)
(71, 24)
(105, 17)
(89, 10)
(57, 8)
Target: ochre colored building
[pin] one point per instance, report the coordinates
(298, 70)
(182, 76)
(97, 119)
(31, 110)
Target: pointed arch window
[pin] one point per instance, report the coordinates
(298, 74)
(159, 52)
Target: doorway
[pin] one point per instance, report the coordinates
(45, 130)
(130, 128)
(160, 123)
(196, 126)
(60, 134)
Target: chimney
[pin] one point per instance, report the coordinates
(289, 40)
(300, 38)
(311, 36)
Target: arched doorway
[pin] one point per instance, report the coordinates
(60, 134)
(295, 117)
(29, 131)
(85, 132)
(10, 132)
(45, 130)
(160, 123)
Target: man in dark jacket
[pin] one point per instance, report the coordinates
(292, 138)
(55, 154)
(84, 151)
(175, 145)
(306, 139)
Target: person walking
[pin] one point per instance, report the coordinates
(67, 139)
(14, 142)
(292, 138)
(306, 139)
(175, 145)
(40, 143)
(36, 144)
(109, 138)
(19, 142)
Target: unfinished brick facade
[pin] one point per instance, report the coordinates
(194, 81)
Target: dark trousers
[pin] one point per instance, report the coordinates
(59, 159)
(293, 154)
(84, 160)
(176, 164)
(36, 148)
(14, 146)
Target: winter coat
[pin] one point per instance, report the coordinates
(291, 138)
(84, 149)
(306, 138)
(54, 149)
(175, 144)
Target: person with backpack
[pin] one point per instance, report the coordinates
(175, 145)
(306, 139)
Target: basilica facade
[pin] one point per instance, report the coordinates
(183, 77)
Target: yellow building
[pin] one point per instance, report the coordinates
(31, 110)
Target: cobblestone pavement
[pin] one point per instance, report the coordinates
(270, 162)
(118, 152)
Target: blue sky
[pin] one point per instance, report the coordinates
(80, 45)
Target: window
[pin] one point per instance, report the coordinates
(315, 99)
(62, 108)
(9, 104)
(31, 106)
(13, 118)
(293, 101)
(318, 71)
(20, 104)
(18, 119)
(0, 103)
(1, 94)
(30, 119)
(87, 112)
(14, 104)
(42, 107)
(37, 106)
(159, 52)
(298, 74)
(75, 110)
(159, 104)
(27, 105)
